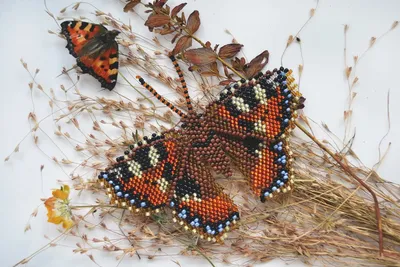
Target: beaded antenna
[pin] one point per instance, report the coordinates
(248, 126)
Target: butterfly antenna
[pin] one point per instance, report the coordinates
(183, 83)
(159, 97)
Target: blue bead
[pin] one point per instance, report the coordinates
(196, 220)
(183, 211)
(284, 82)
(143, 204)
(286, 120)
(197, 224)
(285, 177)
(208, 231)
(192, 223)
(274, 188)
(220, 230)
(208, 227)
(289, 95)
(286, 90)
(110, 182)
(284, 161)
(288, 109)
(172, 204)
(228, 223)
(280, 148)
(282, 184)
(279, 160)
(266, 194)
(283, 172)
(180, 215)
(278, 182)
(286, 101)
(116, 187)
(105, 176)
(213, 232)
(184, 216)
(234, 217)
(132, 201)
(119, 194)
(275, 147)
(220, 226)
(126, 195)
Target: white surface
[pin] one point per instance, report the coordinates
(258, 25)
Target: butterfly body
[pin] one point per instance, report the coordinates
(95, 49)
(247, 126)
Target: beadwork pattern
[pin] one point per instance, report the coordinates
(248, 126)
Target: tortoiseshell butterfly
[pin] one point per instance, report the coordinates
(95, 49)
(248, 126)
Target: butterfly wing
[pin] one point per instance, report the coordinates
(103, 67)
(264, 107)
(200, 204)
(141, 179)
(252, 118)
(95, 55)
(266, 164)
(79, 33)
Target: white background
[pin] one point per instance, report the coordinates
(259, 25)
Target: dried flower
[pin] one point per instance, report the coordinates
(58, 209)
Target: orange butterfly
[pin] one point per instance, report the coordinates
(95, 49)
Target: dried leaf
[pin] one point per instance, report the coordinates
(183, 43)
(193, 22)
(177, 9)
(211, 70)
(312, 12)
(157, 20)
(257, 64)
(290, 40)
(394, 25)
(372, 41)
(160, 3)
(130, 5)
(165, 31)
(201, 56)
(229, 50)
(348, 71)
(226, 82)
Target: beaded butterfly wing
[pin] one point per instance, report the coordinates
(95, 50)
(247, 126)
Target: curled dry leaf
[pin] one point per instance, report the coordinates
(193, 22)
(257, 64)
(211, 70)
(183, 43)
(226, 82)
(201, 56)
(130, 5)
(160, 3)
(229, 50)
(239, 64)
(157, 20)
(177, 9)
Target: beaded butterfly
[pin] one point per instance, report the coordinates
(95, 50)
(247, 126)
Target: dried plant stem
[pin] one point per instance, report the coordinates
(353, 175)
